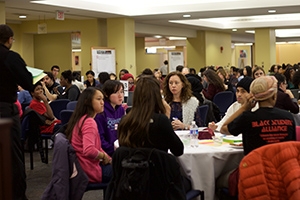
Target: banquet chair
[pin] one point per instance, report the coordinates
(129, 98)
(71, 105)
(203, 110)
(271, 172)
(58, 105)
(141, 168)
(223, 100)
(30, 131)
(97, 186)
(65, 116)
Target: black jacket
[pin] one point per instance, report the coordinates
(13, 72)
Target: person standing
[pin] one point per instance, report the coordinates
(164, 69)
(13, 71)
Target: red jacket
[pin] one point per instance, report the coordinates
(271, 172)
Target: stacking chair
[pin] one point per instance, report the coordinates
(129, 98)
(71, 105)
(30, 130)
(58, 105)
(131, 165)
(65, 115)
(97, 186)
(203, 110)
(223, 100)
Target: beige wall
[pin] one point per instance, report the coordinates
(238, 62)
(213, 42)
(287, 53)
(53, 49)
(144, 60)
(92, 34)
(196, 51)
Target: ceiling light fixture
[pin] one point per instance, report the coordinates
(177, 38)
(22, 16)
(157, 36)
(234, 29)
(271, 11)
(186, 16)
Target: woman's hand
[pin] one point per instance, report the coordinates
(106, 159)
(177, 124)
(250, 102)
(212, 125)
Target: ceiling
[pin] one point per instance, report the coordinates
(217, 15)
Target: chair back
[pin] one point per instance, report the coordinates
(144, 173)
(130, 98)
(71, 105)
(295, 93)
(65, 116)
(223, 100)
(298, 133)
(58, 105)
(203, 110)
(271, 172)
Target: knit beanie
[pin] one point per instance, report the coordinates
(245, 83)
(264, 87)
(127, 76)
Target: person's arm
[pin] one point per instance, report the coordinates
(291, 104)
(176, 146)
(73, 93)
(49, 113)
(246, 106)
(167, 107)
(109, 148)
(18, 68)
(50, 96)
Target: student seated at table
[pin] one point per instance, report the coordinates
(108, 121)
(264, 126)
(70, 92)
(178, 94)
(267, 124)
(147, 124)
(215, 84)
(83, 134)
(242, 91)
(40, 104)
(285, 98)
(52, 86)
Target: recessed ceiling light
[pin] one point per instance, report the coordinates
(234, 29)
(271, 11)
(158, 36)
(177, 38)
(22, 16)
(186, 16)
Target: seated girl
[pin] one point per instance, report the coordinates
(108, 121)
(84, 137)
(40, 104)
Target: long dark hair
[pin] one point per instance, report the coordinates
(214, 79)
(133, 129)
(84, 106)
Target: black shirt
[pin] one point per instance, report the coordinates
(13, 72)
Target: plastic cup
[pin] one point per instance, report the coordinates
(218, 140)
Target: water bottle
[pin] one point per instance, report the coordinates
(194, 134)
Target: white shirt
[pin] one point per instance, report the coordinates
(232, 109)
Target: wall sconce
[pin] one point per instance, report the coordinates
(221, 49)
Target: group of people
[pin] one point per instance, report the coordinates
(162, 103)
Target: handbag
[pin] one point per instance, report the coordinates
(205, 134)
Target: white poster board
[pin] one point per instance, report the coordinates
(103, 60)
(175, 58)
(125, 83)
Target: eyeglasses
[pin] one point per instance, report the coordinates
(131, 83)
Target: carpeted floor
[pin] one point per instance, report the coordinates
(40, 176)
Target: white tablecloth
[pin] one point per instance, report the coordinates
(206, 162)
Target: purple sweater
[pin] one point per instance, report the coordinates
(106, 123)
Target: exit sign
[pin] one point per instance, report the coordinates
(60, 15)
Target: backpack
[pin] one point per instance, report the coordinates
(144, 173)
(135, 176)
